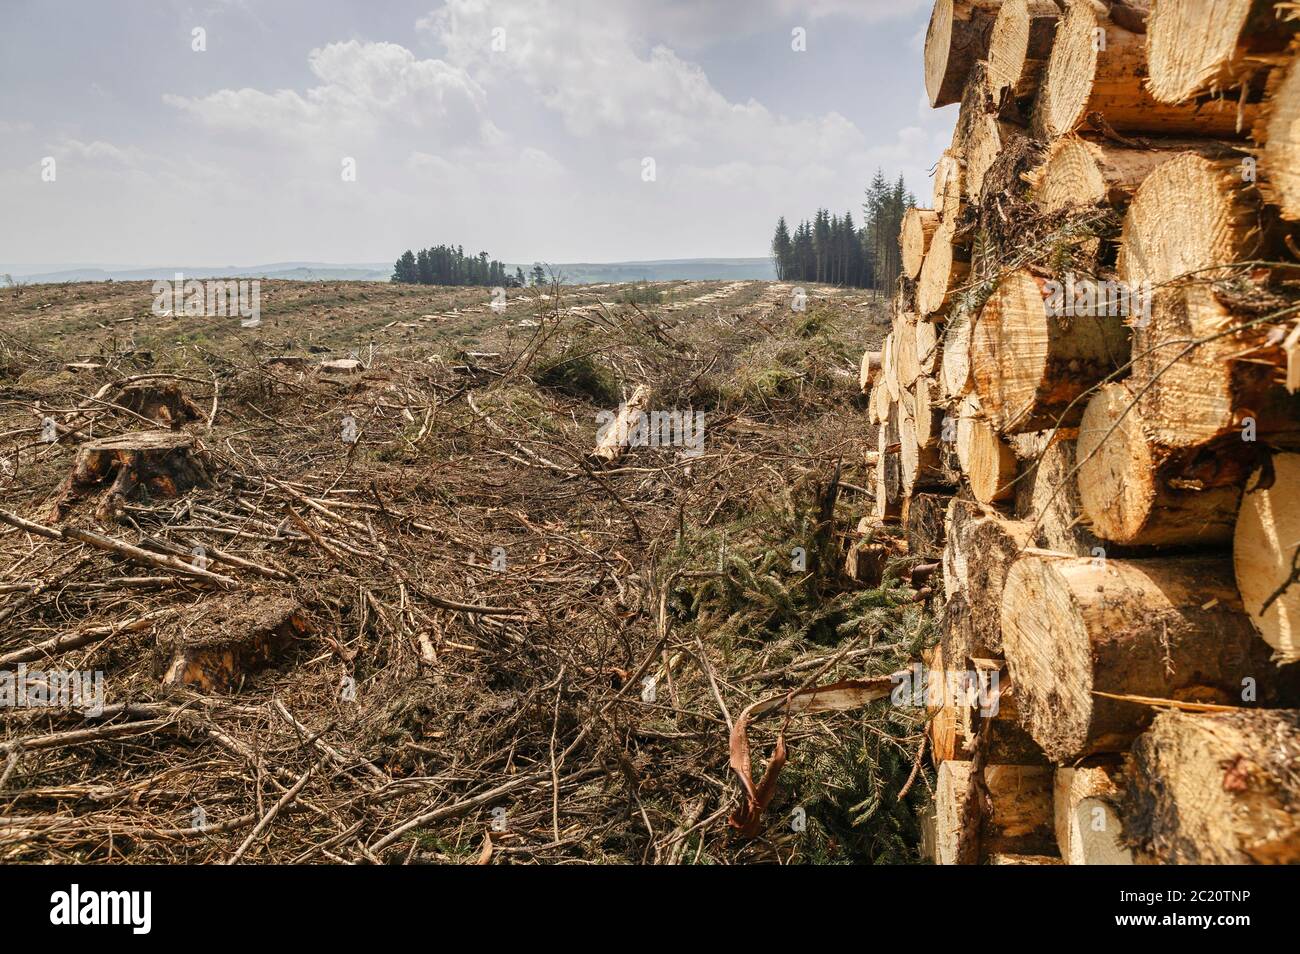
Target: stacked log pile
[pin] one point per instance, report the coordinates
(1088, 409)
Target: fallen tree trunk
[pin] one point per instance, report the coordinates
(1162, 628)
(614, 440)
(1266, 554)
(1216, 788)
(1033, 355)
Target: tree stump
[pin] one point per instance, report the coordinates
(234, 638)
(114, 469)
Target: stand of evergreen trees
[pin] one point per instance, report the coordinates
(831, 249)
(449, 265)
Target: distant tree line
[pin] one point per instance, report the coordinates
(449, 265)
(833, 250)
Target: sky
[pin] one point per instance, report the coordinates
(236, 132)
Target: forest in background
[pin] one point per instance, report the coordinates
(833, 250)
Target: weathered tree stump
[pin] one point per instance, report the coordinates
(231, 639)
(156, 463)
(163, 402)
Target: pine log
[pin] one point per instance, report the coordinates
(1033, 354)
(1278, 131)
(1020, 817)
(1019, 46)
(992, 544)
(914, 238)
(948, 187)
(1201, 385)
(1217, 788)
(1191, 214)
(1088, 826)
(1160, 628)
(955, 368)
(1002, 858)
(980, 132)
(941, 729)
(987, 460)
(1047, 496)
(957, 37)
(1266, 555)
(869, 370)
(889, 366)
(613, 443)
(1139, 492)
(1080, 171)
(1197, 48)
(1085, 76)
(945, 268)
(927, 340)
(906, 366)
(928, 414)
(889, 477)
(956, 568)
(919, 454)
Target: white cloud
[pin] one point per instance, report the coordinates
(362, 84)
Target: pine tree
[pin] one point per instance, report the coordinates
(405, 269)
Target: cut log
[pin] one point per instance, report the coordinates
(1105, 73)
(928, 415)
(980, 133)
(1138, 492)
(115, 469)
(944, 270)
(1078, 171)
(1047, 497)
(926, 337)
(922, 463)
(914, 237)
(956, 568)
(1279, 133)
(906, 366)
(957, 37)
(992, 544)
(869, 370)
(1088, 826)
(1019, 820)
(1019, 46)
(613, 441)
(1035, 353)
(342, 366)
(990, 465)
(1194, 393)
(889, 366)
(1006, 859)
(1266, 555)
(947, 187)
(955, 368)
(1202, 47)
(941, 729)
(1164, 628)
(1216, 789)
(1191, 214)
(889, 472)
(234, 638)
(926, 516)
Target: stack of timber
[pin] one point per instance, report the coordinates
(1088, 409)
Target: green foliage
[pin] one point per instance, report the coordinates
(576, 372)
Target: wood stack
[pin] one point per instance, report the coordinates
(1093, 371)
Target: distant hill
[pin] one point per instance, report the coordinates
(574, 273)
